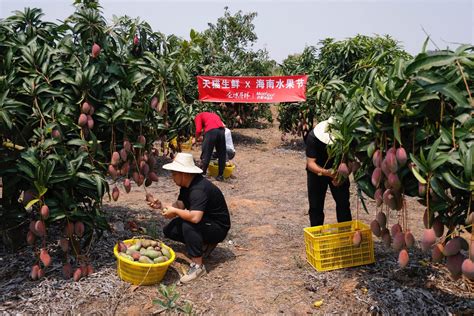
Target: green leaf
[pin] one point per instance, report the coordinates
(54, 218)
(77, 142)
(117, 115)
(468, 165)
(438, 188)
(425, 44)
(396, 129)
(439, 161)
(418, 176)
(432, 152)
(428, 61)
(6, 119)
(161, 100)
(99, 184)
(453, 181)
(455, 94)
(26, 170)
(42, 191)
(419, 164)
(31, 203)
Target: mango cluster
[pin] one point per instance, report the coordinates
(396, 237)
(450, 247)
(129, 161)
(385, 177)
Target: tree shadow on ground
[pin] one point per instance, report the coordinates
(240, 139)
(218, 256)
(293, 144)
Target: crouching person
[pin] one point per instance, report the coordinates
(200, 217)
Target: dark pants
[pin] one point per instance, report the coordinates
(317, 187)
(215, 138)
(195, 235)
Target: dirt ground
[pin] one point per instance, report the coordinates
(260, 268)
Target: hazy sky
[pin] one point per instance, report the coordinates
(286, 27)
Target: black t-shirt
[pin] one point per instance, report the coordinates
(204, 196)
(317, 149)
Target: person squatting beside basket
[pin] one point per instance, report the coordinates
(320, 176)
(200, 217)
(214, 137)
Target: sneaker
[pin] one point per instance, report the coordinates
(194, 272)
(207, 250)
(220, 178)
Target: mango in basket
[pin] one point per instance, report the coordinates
(166, 253)
(145, 259)
(144, 251)
(152, 254)
(160, 259)
(136, 256)
(128, 257)
(122, 247)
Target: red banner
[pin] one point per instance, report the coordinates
(271, 89)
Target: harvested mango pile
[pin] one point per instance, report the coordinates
(144, 251)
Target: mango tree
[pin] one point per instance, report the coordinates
(332, 68)
(80, 102)
(411, 131)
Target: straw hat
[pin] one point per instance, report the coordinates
(321, 131)
(183, 162)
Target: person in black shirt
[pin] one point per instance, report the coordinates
(320, 176)
(200, 216)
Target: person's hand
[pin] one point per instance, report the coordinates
(168, 212)
(200, 138)
(193, 140)
(330, 173)
(156, 204)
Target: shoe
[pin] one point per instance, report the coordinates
(194, 272)
(220, 178)
(207, 250)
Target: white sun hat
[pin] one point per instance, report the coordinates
(321, 131)
(183, 162)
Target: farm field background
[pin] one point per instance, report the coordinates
(261, 267)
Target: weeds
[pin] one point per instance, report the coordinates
(169, 301)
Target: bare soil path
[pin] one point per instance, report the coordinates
(260, 268)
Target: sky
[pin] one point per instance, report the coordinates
(286, 27)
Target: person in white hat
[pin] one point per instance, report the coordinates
(320, 176)
(200, 216)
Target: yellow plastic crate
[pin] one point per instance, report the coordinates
(330, 247)
(141, 273)
(213, 169)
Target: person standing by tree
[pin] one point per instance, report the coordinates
(211, 126)
(320, 176)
